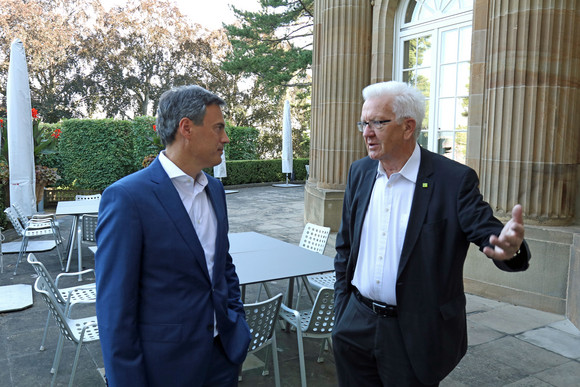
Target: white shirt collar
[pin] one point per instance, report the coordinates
(174, 172)
(410, 170)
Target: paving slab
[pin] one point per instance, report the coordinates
(513, 319)
(554, 340)
(566, 375)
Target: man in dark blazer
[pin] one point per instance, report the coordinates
(168, 298)
(408, 218)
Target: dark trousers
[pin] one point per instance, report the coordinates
(369, 349)
(222, 372)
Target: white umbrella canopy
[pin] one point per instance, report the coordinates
(20, 141)
(287, 140)
(219, 171)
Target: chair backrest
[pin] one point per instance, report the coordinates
(20, 213)
(48, 284)
(322, 318)
(63, 323)
(88, 197)
(314, 237)
(89, 226)
(13, 218)
(262, 318)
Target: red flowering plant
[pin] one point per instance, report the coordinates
(44, 143)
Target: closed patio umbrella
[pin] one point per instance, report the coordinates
(286, 146)
(20, 141)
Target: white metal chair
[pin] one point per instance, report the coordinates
(79, 331)
(66, 298)
(86, 233)
(88, 197)
(24, 219)
(314, 238)
(261, 318)
(34, 228)
(317, 322)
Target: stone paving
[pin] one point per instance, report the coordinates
(508, 345)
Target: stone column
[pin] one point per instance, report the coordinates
(341, 69)
(526, 97)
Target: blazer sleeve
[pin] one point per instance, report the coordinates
(117, 270)
(343, 251)
(479, 223)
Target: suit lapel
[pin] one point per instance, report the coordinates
(423, 191)
(169, 199)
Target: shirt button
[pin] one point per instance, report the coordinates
(378, 281)
(380, 257)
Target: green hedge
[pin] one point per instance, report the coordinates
(260, 171)
(95, 153)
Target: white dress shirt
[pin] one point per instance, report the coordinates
(383, 231)
(198, 206)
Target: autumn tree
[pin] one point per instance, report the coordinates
(51, 31)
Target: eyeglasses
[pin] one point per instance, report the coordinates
(374, 125)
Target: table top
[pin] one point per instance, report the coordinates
(78, 207)
(260, 258)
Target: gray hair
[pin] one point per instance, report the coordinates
(408, 102)
(182, 102)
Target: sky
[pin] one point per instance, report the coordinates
(209, 13)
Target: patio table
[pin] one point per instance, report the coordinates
(76, 208)
(260, 258)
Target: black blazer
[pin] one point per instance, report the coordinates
(447, 213)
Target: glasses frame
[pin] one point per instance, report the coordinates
(374, 124)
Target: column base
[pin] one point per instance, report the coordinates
(323, 206)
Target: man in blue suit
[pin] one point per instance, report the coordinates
(168, 298)
(408, 218)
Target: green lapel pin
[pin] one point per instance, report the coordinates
(425, 185)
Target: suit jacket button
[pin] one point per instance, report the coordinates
(210, 327)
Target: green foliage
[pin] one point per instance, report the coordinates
(260, 171)
(243, 143)
(96, 153)
(146, 142)
(273, 44)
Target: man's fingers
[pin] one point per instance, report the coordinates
(518, 214)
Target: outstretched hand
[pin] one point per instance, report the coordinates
(510, 239)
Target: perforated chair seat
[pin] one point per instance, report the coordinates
(317, 323)
(33, 228)
(261, 318)
(65, 297)
(319, 281)
(80, 331)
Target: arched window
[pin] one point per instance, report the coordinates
(433, 52)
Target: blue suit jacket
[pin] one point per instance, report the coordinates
(155, 299)
(447, 214)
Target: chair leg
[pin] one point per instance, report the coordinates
(57, 355)
(301, 357)
(74, 369)
(45, 332)
(23, 247)
(275, 360)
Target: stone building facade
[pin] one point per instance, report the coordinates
(522, 133)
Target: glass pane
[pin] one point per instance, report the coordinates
(410, 54)
(409, 77)
(445, 144)
(460, 150)
(449, 46)
(424, 51)
(423, 139)
(447, 81)
(446, 114)
(465, 44)
(424, 81)
(461, 113)
(463, 78)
